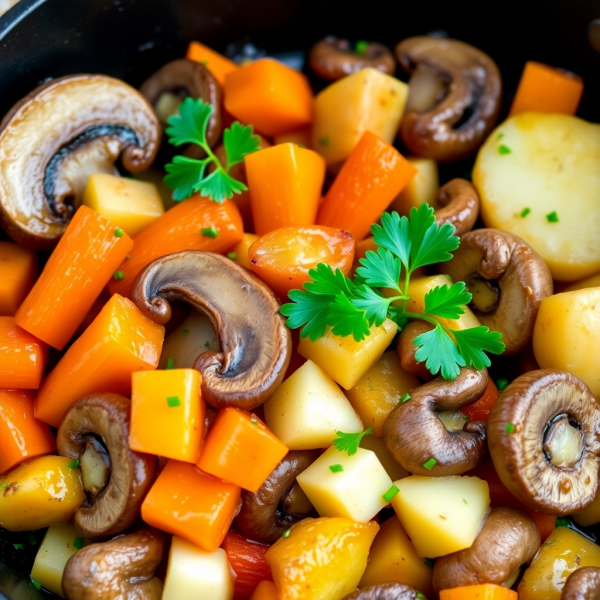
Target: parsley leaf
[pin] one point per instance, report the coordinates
(310, 310)
(372, 303)
(326, 281)
(380, 269)
(447, 301)
(219, 185)
(189, 125)
(437, 245)
(394, 236)
(239, 141)
(346, 319)
(349, 442)
(439, 353)
(183, 176)
(474, 341)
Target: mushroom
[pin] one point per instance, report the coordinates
(460, 205)
(508, 280)
(386, 591)
(507, 540)
(180, 79)
(55, 138)
(121, 569)
(95, 431)
(407, 349)
(543, 439)
(279, 503)
(582, 584)
(414, 434)
(457, 125)
(255, 342)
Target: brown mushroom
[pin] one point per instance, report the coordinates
(507, 540)
(386, 591)
(95, 431)
(121, 569)
(279, 503)
(414, 434)
(407, 349)
(333, 58)
(460, 205)
(182, 79)
(49, 147)
(508, 280)
(582, 584)
(457, 125)
(255, 342)
(543, 439)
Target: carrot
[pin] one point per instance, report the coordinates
(283, 257)
(120, 341)
(372, 176)
(274, 98)
(82, 263)
(22, 357)
(21, 434)
(186, 226)
(241, 449)
(247, 559)
(484, 591)
(548, 90)
(186, 502)
(18, 272)
(216, 63)
(480, 410)
(240, 251)
(285, 184)
(266, 590)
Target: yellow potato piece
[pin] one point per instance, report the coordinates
(423, 187)
(546, 163)
(587, 282)
(590, 515)
(377, 445)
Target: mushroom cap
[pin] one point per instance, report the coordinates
(522, 276)
(55, 138)
(460, 205)
(407, 349)
(530, 403)
(255, 342)
(460, 123)
(386, 591)
(582, 584)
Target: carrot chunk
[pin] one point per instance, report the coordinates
(18, 272)
(485, 591)
(216, 63)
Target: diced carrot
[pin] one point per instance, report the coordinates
(480, 410)
(247, 559)
(216, 63)
(81, 265)
(120, 341)
(180, 228)
(274, 98)
(18, 272)
(21, 434)
(283, 257)
(548, 90)
(372, 176)
(241, 449)
(285, 184)
(266, 590)
(484, 591)
(186, 502)
(22, 357)
(242, 248)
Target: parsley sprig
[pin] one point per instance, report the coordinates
(349, 442)
(350, 307)
(188, 175)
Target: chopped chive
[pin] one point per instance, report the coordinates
(36, 584)
(254, 421)
(389, 495)
(78, 543)
(210, 232)
(552, 217)
(336, 468)
(405, 397)
(430, 464)
(4, 484)
(207, 344)
(465, 501)
(204, 62)
(525, 212)
(118, 275)
(127, 256)
(74, 464)
(18, 546)
(550, 543)
(420, 595)
(324, 141)
(500, 136)
(232, 255)
(465, 418)
(510, 428)
(502, 149)
(361, 47)
(185, 331)
(562, 522)
(501, 384)
(119, 232)
(429, 562)
(286, 533)
(371, 388)
(173, 401)
(170, 363)
(32, 539)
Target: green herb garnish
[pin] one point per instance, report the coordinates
(207, 344)
(209, 232)
(170, 364)
(32, 539)
(4, 484)
(525, 212)
(119, 232)
(361, 47)
(18, 546)
(127, 256)
(500, 136)
(173, 401)
(563, 522)
(502, 149)
(78, 543)
(349, 442)
(430, 464)
(389, 495)
(336, 468)
(465, 501)
(254, 421)
(232, 255)
(429, 562)
(74, 464)
(405, 398)
(420, 595)
(502, 384)
(36, 584)
(324, 141)
(509, 428)
(185, 331)
(119, 275)
(552, 217)
(286, 533)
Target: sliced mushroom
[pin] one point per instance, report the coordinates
(255, 342)
(333, 58)
(544, 441)
(582, 584)
(508, 280)
(456, 126)
(386, 591)
(95, 430)
(407, 349)
(122, 569)
(460, 202)
(55, 138)
(414, 434)
(507, 540)
(181, 79)
(279, 503)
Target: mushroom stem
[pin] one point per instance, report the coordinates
(563, 443)
(460, 205)
(94, 463)
(386, 591)
(425, 89)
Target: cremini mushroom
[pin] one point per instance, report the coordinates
(544, 441)
(49, 148)
(414, 434)
(459, 123)
(507, 540)
(582, 584)
(279, 503)
(407, 349)
(386, 591)
(121, 569)
(508, 280)
(255, 342)
(333, 58)
(460, 205)
(95, 431)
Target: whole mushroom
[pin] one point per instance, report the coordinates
(582, 584)
(460, 205)
(386, 591)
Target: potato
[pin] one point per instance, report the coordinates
(546, 163)
(586, 282)
(566, 334)
(423, 187)
(377, 445)
(590, 515)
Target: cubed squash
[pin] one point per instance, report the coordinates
(423, 187)
(216, 63)
(18, 272)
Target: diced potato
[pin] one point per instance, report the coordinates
(423, 187)
(587, 282)
(265, 590)
(441, 514)
(343, 358)
(308, 408)
(354, 489)
(589, 515)
(546, 163)
(365, 101)
(377, 445)
(195, 573)
(242, 247)
(562, 553)
(566, 334)
(321, 559)
(394, 558)
(130, 204)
